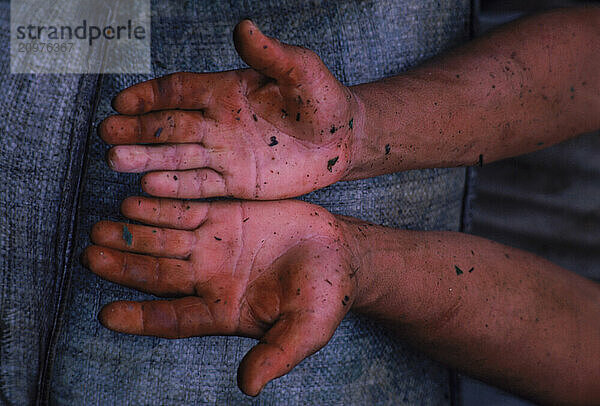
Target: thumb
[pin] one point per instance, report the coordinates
(285, 345)
(282, 62)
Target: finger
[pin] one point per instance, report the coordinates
(178, 214)
(159, 276)
(284, 346)
(179, 318)
(174, 126)
(162, 242)
(143, 158)
(269, 56)
(181, 90)
(193, 184)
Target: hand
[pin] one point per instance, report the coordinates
(283, 128)
(276, 271)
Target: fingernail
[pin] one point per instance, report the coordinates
(109, 158)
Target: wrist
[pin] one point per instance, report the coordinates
(379, 145)
(358, 137)
(360, 237)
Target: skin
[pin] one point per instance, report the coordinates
(279, 272)
(526, 86)
(495, 97)
(278, 130)
(287, 272)
(494, 312)
(497, 313)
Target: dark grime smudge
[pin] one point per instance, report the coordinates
(254, 117)
(273, 141)
(351, 123)
(157, 133)
(458, 270)
(472, 269)
(127, 237)
(297, 116)
(333, 129)
(387, 149)
(217, 238)
(331, 162)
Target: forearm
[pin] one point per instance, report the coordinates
(531, 84)
(495, 312)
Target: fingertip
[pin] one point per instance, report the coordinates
(248, 390)
(111, 158)
(244, 28)
(259, 367)
(127, 158)
(98, 260)
(247, 380)
(130, 205)
(249, 40)
(129, 102)
(104, 128)
(266, 54)
(84, 258)
(96, 231)
(161, 183)
(124, 317)
(120, 102)
(147, 183)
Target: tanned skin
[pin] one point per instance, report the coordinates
(287, 272)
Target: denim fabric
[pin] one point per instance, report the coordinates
(359, 41)
(44, 123)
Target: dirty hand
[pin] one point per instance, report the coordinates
(280, 272)
(283, 128)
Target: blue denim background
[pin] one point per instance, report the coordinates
(57, 185)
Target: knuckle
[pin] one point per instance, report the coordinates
(169, 157)
(178, 120)
(159, 211)
(181, 214)
(161, 240)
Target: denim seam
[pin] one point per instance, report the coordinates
(67, 225)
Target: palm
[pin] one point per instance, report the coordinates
(278, 271)
(279, 130)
